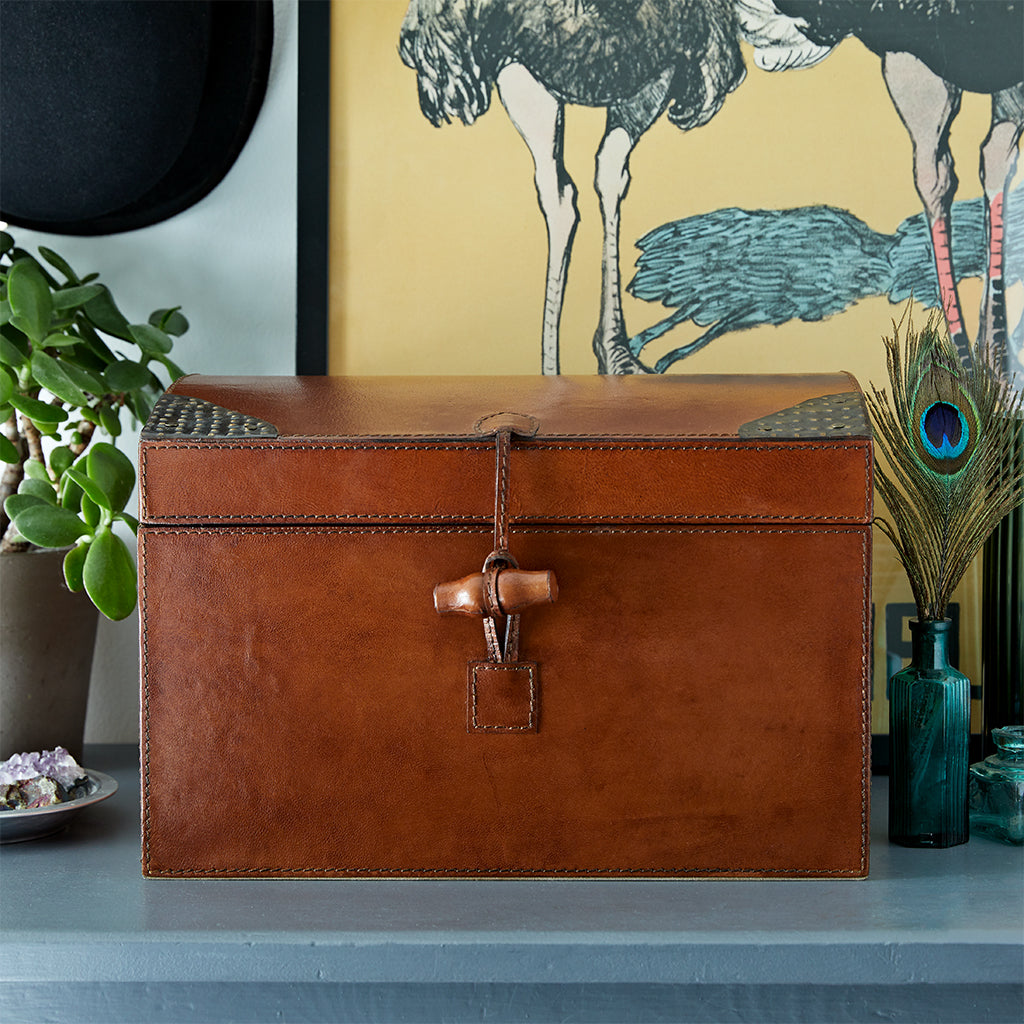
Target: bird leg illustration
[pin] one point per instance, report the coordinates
(635, 58)
(626, 123)
(927, 106)
(540, 120)
(998, 164)
(611, 180)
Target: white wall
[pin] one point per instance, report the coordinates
(229, 262)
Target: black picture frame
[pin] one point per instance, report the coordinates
(312, 183)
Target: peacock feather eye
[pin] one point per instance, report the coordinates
(944, 430)
(944, 421)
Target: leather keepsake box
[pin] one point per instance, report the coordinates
(506, 627)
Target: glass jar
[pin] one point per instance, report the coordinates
(997, 789)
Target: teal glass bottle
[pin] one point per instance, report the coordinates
(929, 739)
(997, 789)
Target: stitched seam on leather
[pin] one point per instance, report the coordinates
(343, 517)
(478, 872)
(865, 700)
(531, 446)
(694, 872)
(504, 728)
(318, 530)
(144, 616)
(143, 492)
(501, 519)
(867, 482)
(470, 438)
(656, 445)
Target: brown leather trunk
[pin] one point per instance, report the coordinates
(654, 659)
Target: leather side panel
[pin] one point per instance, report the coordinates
(583, 480)
(704, 709)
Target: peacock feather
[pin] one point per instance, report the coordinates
(951, 443)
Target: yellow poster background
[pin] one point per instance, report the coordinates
(438, 248)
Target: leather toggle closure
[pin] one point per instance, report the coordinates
(497, 592)
(503, 691)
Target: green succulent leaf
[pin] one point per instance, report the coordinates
(41, 489)
(74, 567)
(103, 313)
(169, 320)
(110, 420)
(150, 339)
(59, 262)
(49, 526)
(94, 344)
(85, 379)
(6, 242)
(60, 458)
(109, 575)
(7, 386)
(78, 295)
(91, 488)
(5, 312)
(113, 471)
(29, 296)
(127, 376)
(37, 471)
(38, 412)
(17, 503)
(14, 351)
(172, 368)
(70, 494)
(8, 453)
(132, 522)
(52, 376)
(60, 340)
(140, 404)
(91, 512)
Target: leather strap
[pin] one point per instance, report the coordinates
(499, 650)
(500, 558)
(503, 452)
(502, 690)
(502, 650)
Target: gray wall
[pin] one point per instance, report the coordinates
(229, 262)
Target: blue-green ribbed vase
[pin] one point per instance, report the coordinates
(929, 740)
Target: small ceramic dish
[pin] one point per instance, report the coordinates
(36, 822)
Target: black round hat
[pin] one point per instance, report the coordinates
(117, 114)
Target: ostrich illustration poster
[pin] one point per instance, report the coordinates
(780, 231)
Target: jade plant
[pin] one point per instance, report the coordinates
(71, 366)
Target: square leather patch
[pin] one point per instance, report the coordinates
(502, 697)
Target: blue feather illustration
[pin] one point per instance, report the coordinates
(733, 269)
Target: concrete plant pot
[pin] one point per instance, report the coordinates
(48, 635)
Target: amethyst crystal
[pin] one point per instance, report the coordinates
(40, 779)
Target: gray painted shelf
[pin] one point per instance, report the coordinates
(931, 936)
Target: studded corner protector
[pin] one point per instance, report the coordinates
(829, 416)
(180, 416)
